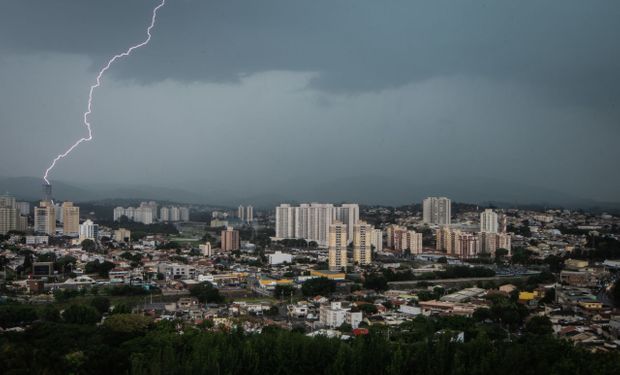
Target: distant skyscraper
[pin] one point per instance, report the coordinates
(394, 236)
(58, 211)
(311, 221)
(377, 239)
(175, 213)
(458, 243)
(45, 218)
(184, 213)
(118, 213)
(401, 239)
(437, 210)
(154, 209)
(164, 214)
(348, 214)
(337, 246)
(47, 192)
(89, 231)
(71, 219)
(488, 221)
(249, 214)
(230, 239)
(490, 242)
(9, 214)
(412, 241)
(122, 235)
(23, 208)
(285, 221)
(241, 213)
(142, 214)
(362, 243)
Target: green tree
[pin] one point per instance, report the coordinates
(500, 254)
(318, 286)
(89, 245)
(81, 314)
(615, 293)
(15, 315)
(121, 308)
(102, 304)
(50, 313)
(127, 323)
(368, 308)
(206, 293)
(539, 325)
(375, 281)
(285, 291)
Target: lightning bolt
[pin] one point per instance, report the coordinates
(97, 84)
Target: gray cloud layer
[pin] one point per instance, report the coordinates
(266, 91)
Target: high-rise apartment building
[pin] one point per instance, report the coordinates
(488, 221)
(466, 245)
(230, 239)
(89, 231)
(377, 239)
(311, 221)
(285, 221)
(437, 210)
(152, 205)
(206, 249)
(9, 214)
(348, 214)
(249, 214)
(241, 213)
(122, 235)
(394, 233)
(164, 214)
(362, 243)
(143, 214)
(490, 242)
(175, 213)
(337, 246)
(457, 243)
(8, 219)
(71, 219)
(442, 239)
(58, 212)
(23, 208)
(45, 218)
(184, 213)
(412, 241)
(399, 238)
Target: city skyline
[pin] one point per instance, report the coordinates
(309, 187)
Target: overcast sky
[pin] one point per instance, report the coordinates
(263, 92)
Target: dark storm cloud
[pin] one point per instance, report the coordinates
(257, 96)
(567, 47)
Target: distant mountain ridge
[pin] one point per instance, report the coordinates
(369, 189)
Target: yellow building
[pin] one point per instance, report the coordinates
(337, 246)
(528, 296)
(271, 283)
(575, 263)
(362, 250)
(591, 305)
(328, 274)
(70, 219)
(45, 218)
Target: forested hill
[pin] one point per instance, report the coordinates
(126, 345)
